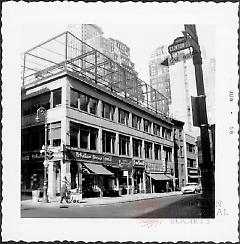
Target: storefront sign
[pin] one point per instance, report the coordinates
(138, 163)
(33, 156)
(88, 156)
(154, 167)
(125, 163)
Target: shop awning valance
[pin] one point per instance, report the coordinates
(159, 176)
(97, 169)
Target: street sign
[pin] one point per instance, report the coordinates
(179, 44)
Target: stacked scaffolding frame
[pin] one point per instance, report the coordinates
(67, 52)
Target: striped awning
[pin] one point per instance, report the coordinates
(97, 169)
(159, 176)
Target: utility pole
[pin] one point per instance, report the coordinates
(207, 167)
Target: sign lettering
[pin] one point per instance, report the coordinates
(179, 44)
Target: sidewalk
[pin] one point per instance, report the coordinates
(25, 204)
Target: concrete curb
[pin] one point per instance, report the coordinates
(26, 204)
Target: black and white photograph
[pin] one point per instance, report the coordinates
(125, 119)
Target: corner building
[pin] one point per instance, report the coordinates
(104, 142)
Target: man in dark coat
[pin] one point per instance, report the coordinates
(64, 190)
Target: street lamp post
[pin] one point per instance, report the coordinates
(43, 111)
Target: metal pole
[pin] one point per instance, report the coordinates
(45, 196)
(207, 168)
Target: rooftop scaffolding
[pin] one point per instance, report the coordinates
(67, 52)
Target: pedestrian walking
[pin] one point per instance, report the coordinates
(64, 189)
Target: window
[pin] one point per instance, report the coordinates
(190, 148)
(148, 149)
(57, 97)
(147, 126)
(55, 134)
(190, 163)
(136, 122)
(93, 106)
(137, 148)
(74, 99)
(31, 105)
(108, 111)
(124, 145)
(88, 137)
(84, 102)
(83, 136)
(108, 142)
(157, 152)
(74, 132)
(167, 151)
(123, 117)
(156, 129)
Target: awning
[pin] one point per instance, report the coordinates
(159, 176)
(194, 176)
(98, 169)
(170, 176)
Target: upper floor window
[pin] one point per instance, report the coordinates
(57, 97)
(156, 129)
(136, 122)
(83, 136)
(190, 148)
(124, 145)
(137, 148)
(108, 142)
(83, 102)
(157, 152)
(147, 126)
(108, 111)
(55, 134)
(148, 149)
(31, 105)
(123, 117)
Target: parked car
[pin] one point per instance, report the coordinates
(191, 188)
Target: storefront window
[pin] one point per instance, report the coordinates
(57, 97)
(124, 145)
(108, 142)
(123, 117)
(108, 111)
(148, 149)
(137, 148)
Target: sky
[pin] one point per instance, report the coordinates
(141, 38)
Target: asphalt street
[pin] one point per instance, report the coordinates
(180, 206)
